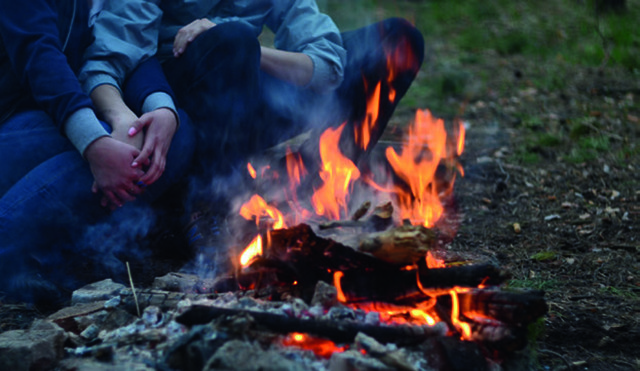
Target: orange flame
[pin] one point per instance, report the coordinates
(419, 313)
(337, 276)
(363, 131)
(252, 251)
(463, 327)
(251, 170)
(337, 173)
(295, 168)
(461, 134)
(421, 154)
(399, 60)
(257, 207)
(433, 262)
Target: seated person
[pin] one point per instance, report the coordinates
(66, 175)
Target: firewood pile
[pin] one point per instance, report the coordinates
(307, 302)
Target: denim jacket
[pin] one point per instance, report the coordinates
(40, 51)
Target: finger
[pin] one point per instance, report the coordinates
(154, 173)
(181, 40)
(124, 195)
(138, 125)
(143, 157)
(135, 190)
(111, 198)
(157, 168)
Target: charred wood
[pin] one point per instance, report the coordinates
(337, 331)
(514, 308)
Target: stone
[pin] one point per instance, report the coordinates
(242, 355)
(325, 295)
(97, 291)
(354, 360)
(38, 348)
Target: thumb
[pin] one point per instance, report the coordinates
(140, 123)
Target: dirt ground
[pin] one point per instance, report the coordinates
(579, 219)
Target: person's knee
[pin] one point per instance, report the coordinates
(234, 40)
(406, 35)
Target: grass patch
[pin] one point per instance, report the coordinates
(563, 31)
(623, 293)
(544, 256)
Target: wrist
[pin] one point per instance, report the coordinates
(174, 115)
(94, 149)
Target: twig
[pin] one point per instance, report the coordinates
(133, 290)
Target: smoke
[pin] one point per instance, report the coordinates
(106, 246)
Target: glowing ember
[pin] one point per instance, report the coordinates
(337, 173)
(419, 313)
(252, 251)
(257, 207)
(321, 347)
(416, 166)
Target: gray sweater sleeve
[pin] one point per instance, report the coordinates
(126, 33)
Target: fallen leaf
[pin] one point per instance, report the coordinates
(551, 217)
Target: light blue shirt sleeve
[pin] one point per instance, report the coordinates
(299, 26)
(126, 33)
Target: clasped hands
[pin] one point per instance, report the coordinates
(133, 158)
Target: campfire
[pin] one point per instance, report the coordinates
(381, 264)
(343, 267)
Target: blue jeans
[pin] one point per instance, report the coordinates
(47, 210)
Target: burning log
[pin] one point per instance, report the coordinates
(381, 219)
(403, 245)
(510, 307)
(297, 254)
(337, 331)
